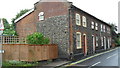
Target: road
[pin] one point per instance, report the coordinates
(108, 60)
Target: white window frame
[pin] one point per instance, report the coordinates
(78, 19)
(79, 46)
(84, 21)
(92, 25)
(41, 16)
(93, 42)
(96, 26)
(102, 41)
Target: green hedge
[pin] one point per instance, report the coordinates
(37, 38)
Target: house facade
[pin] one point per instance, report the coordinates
(75, 31)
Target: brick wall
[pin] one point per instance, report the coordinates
(26, 26)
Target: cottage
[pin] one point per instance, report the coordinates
(76, 32)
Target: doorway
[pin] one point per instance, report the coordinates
(85, 44)
(105, 43)
(93, 42)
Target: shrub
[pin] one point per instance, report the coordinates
(37, 38)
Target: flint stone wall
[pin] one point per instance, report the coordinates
(57, 29)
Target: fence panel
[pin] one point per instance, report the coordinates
(26, 52)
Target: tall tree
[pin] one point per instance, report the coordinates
(8, 28)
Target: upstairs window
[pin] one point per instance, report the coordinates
(78, 40)
(84, 21)
(78, 22)
(104, 28)
(92, 25)
(41, 16)
(96, 26)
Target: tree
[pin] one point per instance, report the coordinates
(8, 28)
(22, 12)
(114, 34)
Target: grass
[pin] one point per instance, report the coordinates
(8, 64)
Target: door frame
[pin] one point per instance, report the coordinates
(105, 43)
(93, 42)
(85, 42)
(108, 42)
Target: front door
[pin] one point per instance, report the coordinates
(105, 43)
(93, 42)
(108, 43)
(85, 44)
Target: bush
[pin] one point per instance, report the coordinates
(8, 64)
(37, 38)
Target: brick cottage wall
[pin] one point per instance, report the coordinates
(26, 26)
(57, 29)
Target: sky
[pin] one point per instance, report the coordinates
(106, 10)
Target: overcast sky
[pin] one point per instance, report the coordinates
(106, 10)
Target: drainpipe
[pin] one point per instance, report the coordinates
(70, 34)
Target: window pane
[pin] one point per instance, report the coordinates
(77, 19)
(92, 25)
(84, 21)
(78, 40)
(41, 16)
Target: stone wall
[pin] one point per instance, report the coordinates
(57, 29)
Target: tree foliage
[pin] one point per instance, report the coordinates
(8, 28)
(37, 38)
(114, 34)
(22, 12)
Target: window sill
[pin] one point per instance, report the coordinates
(78, 48)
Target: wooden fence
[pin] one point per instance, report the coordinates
(16, 48)
(26, 52)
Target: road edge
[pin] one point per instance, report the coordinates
(79, 61)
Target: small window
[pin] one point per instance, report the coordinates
(78, 22)
(104, 28)
(96, 26)
(41, 16)
(78, 40)
(84, 21)
(96, 41)
(92, 25)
